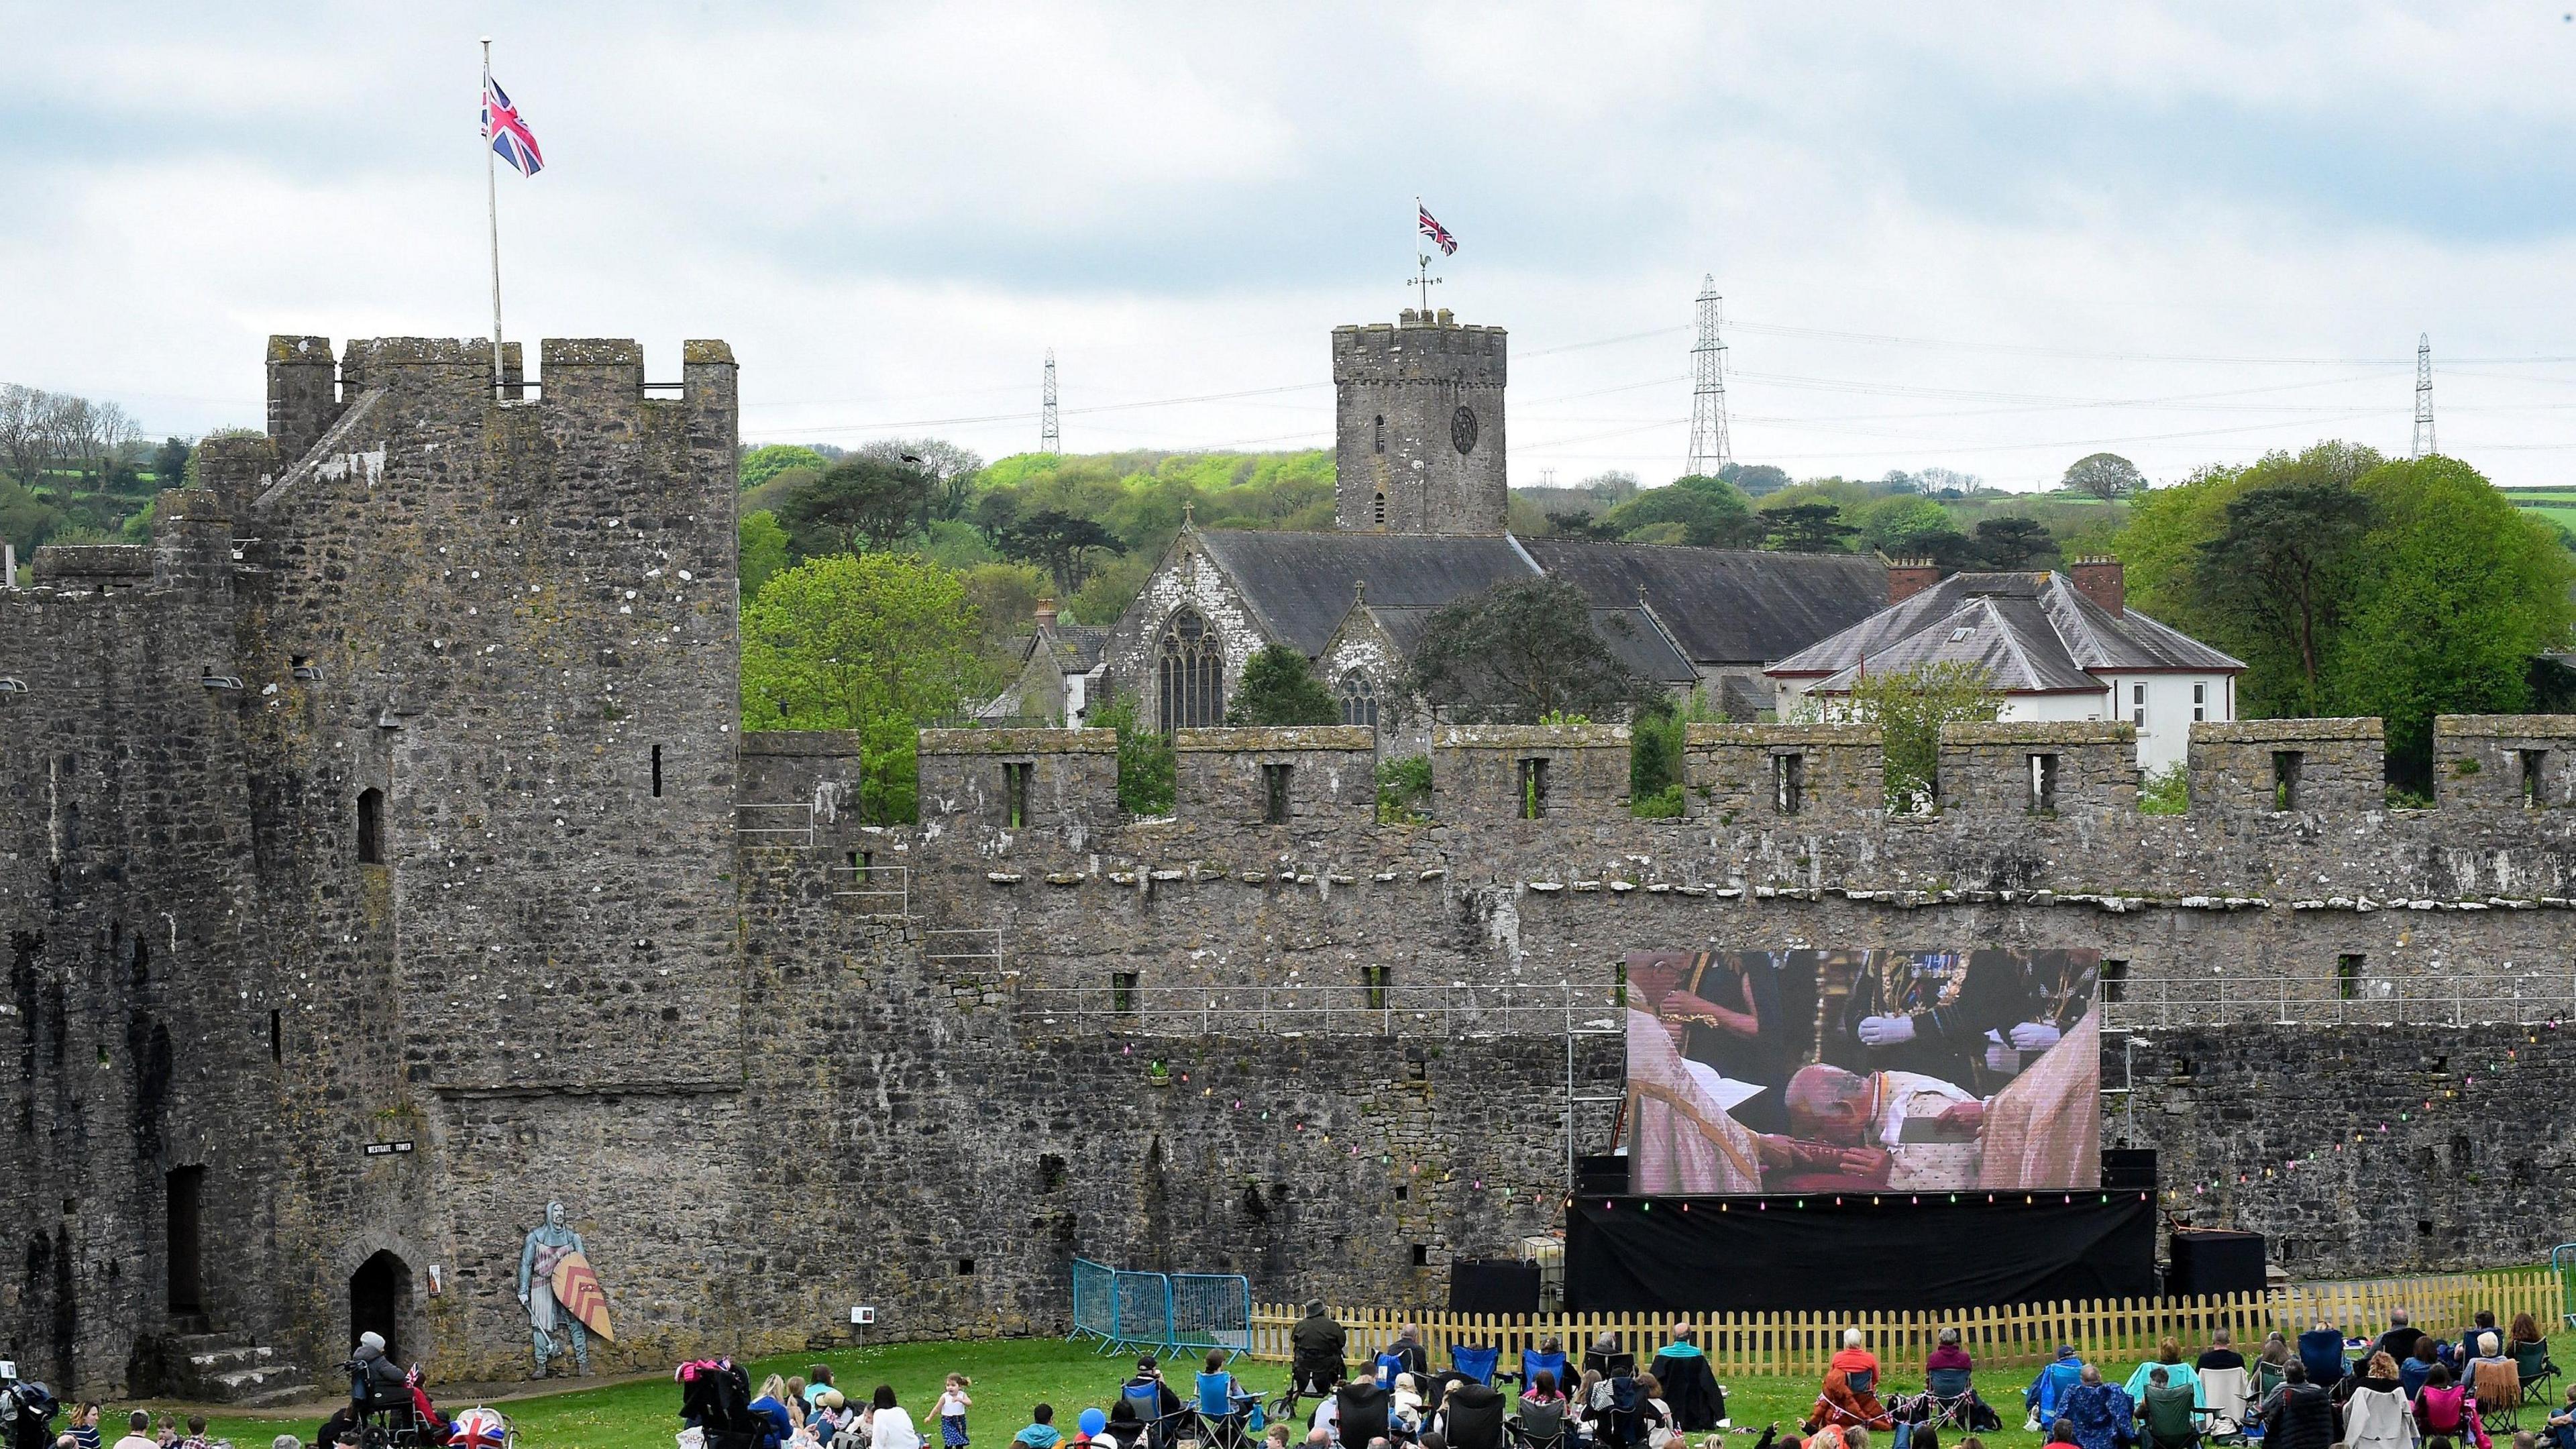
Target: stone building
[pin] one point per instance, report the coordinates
(1420, 504)
(2057, 646)
(379, 862)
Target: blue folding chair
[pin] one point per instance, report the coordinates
(1224, 1411)
(1147, 1399)
(1476, 1363)
(1534, 1363)
(2321, 1351)
(2055, 1382)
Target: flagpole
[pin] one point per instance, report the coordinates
(492, 211)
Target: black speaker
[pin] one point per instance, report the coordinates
(2130, 1168)
(1492, 1285)
(2207, 1261)
(1604, 1173)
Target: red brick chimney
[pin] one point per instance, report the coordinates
(1046, 613)
(1907, 577)
(2103, 581)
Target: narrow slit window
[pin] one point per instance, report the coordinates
(2285, 780)
(371, 827)
(1533, 788)
(2535, 764)
(2115, 980)
(2043, 784)
(1122, 992)
(2348, 975)
(1015, 794)
(277, 1037)
(1381, 509)
(1274, 793)
(657, 772)
(1374, 981)
(1379, 445)
(1789, 783)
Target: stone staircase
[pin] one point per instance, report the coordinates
(227, 1368)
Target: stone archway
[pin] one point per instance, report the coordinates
(380, 1300)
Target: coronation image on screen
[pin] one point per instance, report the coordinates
(1816, 1071)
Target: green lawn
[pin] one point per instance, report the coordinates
(1012, 1374)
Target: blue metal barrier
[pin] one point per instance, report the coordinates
(1144, 1311)
(1212, 1310)
(1095, 1300)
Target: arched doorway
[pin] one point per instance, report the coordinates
(380, 1300)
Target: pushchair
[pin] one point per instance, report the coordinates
(481, 1428)
(715, 1400)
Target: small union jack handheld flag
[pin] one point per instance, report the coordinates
(511, 139)
(1439, 234)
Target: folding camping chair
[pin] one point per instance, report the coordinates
(1540, 1426)
(1224, 1412)
(2054, 1383)
(1147, 1400)
(1474, 1416)
(2532, 1366)
(1359, 1414)
(2321, 1350)
(1534, 1363)
(1476, 1363)
(2223, 1391)
(1951, 1396)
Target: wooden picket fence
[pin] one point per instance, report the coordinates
(2023, 1335)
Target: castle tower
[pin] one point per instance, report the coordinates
(1419, 427)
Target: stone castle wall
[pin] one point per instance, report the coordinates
(777, 1063)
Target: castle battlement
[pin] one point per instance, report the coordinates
(1422, 348)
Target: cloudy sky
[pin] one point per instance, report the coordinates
(1989, 238)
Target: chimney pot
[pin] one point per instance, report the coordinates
(1907, 577)
(1045, 612)
(2104, 581)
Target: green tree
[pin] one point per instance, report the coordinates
(1909, 706)
(1148, 766)
(853, 504)
(1058, 542)
(762, 464)
(1711, 513)
(2460, 590)
(2012, 542)
(1579, 525)
(763, 550)
(875, 643)
(952, 470)
(1806, 528)
(1909, 525)
(2105, 476)
(2280, 567)
(1755, 479)
(1279, 687)
(170, 463)
(1519, 651)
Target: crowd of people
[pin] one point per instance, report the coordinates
(2404, 1389)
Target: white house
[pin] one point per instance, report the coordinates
(2060, 647)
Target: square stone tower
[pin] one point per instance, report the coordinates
(1419, 427)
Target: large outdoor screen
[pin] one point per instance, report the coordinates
(1862, 1070)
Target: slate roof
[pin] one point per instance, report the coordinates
(1719, 606)
(1300, 583)
(1641, 646)
(1724, 606)
(2032, 631)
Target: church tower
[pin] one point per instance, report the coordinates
(1418, 442)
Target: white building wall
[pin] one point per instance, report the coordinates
(2164, 719)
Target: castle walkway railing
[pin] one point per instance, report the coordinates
(2114, 1332)
(1448, 1010)
(2345, 998)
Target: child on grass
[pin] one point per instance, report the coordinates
(953, 1404)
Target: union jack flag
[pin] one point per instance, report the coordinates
(479, 1428)
(1439, 234)
(509, 133)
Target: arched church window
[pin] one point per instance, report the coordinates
(1190, 668)
(1381, 433)
(1359, 699)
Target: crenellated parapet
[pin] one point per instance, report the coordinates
(1752, 772)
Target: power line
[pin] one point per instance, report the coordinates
(1050, 439)
(2424, 395)
(1709, 449)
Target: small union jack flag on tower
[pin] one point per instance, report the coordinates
(1439, 234)
(511, 139)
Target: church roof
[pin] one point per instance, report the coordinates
(1300, 583)
(1723, 606)
(1633, 639)
(1713, 606)
(2033, 632)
